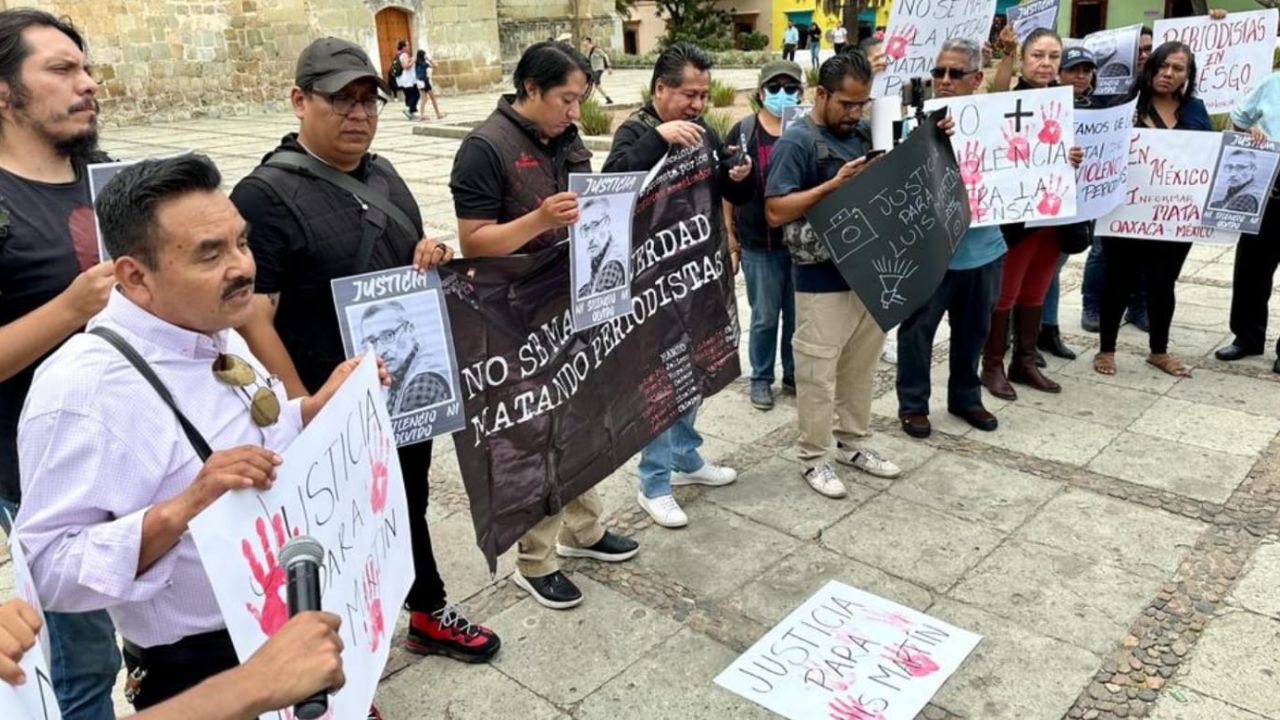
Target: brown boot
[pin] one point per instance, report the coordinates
(1023, 369)
(993, 377)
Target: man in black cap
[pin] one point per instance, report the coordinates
(311, 225)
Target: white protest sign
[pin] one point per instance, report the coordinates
(1116, 54)
(1100, 180)
(34, 699)
(340, 483)
(916, 31)
(1232, 55)
(845, 653)
(1013, 150)
(1170, 174)
(1032, 16)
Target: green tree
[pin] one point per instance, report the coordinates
(847, 10)
(700, 22)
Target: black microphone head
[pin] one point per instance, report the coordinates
(302, 548)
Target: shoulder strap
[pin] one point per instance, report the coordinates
(748, 130)
(824, 151)
(307, 165)
(193, 435)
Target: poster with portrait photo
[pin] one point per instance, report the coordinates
(600, 246)
(400, 313)
(1243, 180)
(1116, 53)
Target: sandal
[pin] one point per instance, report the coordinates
(1104, 363)
(1169, 364)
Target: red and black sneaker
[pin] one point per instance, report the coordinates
(448, 632)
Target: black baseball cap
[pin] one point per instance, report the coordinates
(1077, 56)
(330, 64)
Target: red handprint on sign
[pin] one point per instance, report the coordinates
(1051, 196)
(269, 576)
(918, 664)
(971, 164)
(1019, 147)
(850, 709)
(896, 48)
(1051, 115)
(977, 194)
(375, 626)
(380, 472)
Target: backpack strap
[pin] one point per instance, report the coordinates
(193, 435)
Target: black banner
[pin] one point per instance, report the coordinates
(550, 412)
(893, 229)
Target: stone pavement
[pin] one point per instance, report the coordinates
(1118, 545)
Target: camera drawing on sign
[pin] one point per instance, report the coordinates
(600, 246)
(400, 315)
(1243, 181)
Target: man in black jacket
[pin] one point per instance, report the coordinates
(306, 232)
(671, 122)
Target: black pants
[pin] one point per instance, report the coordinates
(173, 669)
(411, 95)
(838, 47)
(1159, 263)
(1256, 259)
(427, 593)
(967, 297)
(789, 52)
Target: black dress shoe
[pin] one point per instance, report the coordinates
(1234, 352)
(978, 417)
(610, 548)
(917, 426)
(554, 591)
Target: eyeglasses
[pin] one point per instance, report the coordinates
(1237, 167)
(386, 337)
(953, 73)
(788, 88)
(851, 105)
(264, 406)
(344, 104)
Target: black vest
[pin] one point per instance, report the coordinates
(532, 170)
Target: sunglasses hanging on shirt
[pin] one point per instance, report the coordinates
(234, 371)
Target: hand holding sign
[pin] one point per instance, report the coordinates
(19, 625)
(269, 576)
(559, 210)
(681, 132)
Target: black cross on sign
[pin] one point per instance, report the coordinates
(1017, 116)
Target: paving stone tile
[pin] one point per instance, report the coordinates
(1194, 706)
(1089, 401)
(1214, 428)
(1132, 371)
(462, 565)
(1199, 316)
(684, 669)
(439, 689)
(1177, 467)
(1209, 296)
(911, 541)
(783, 586)
(715, 554)
(1142, 540)
(1048, 435)
(1256, 591)
(1238, 657)
(1013, 674)
(1215, 271)
(1072, 598)
(975, 490)
(730, 416)
(773, 493)
(544, 649)
(1233, 392)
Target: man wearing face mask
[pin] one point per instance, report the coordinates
(766, 265)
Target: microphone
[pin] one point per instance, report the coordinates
(301, 559)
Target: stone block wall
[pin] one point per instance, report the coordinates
(522, 23)
(162, 60)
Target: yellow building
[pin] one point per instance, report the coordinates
(804, 12)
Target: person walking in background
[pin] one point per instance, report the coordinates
(815, 44)
(790, 39)
(422, 69)
(406, 80)
(839, 38)
(599, 60)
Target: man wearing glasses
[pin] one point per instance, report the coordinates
(386, 328)
(837, 343)
(308, 231)
(967, 294)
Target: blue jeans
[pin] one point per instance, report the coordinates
(676, 449)
(770, 292)
(84, 654)
(1050, 316)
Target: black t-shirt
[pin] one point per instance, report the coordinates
(477, 181)
(47, 238)
(299, 260)
(749, 224)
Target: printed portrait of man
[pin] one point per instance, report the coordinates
(603, 268)
(416, 383)
(1240, 186)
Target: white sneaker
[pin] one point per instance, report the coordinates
(664, 510)
(823, 479)
(890, 354)
(868, 461)
(709, 474)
